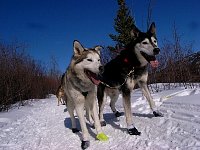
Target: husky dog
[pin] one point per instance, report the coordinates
(60, 95)
(125, 71)
(79, 84)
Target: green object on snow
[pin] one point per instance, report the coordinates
(102, 137)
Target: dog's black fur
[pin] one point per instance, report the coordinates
(117, 71)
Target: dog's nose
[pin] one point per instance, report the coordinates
(101, 69)
(156, 51)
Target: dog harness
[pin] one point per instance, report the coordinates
(85, 94)
(128, 75)
(116, 87)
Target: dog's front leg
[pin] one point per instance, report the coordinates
(127, 108)
(58, 100)
(101, 96)
(114, 97)
(145, 90)
(70, 107)
(91, 101)
(89, 114)
(79, 106)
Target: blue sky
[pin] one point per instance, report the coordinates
(49, 27)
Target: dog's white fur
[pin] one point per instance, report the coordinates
(76, 82)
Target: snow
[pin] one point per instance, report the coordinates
(42, 125)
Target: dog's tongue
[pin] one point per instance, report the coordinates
(96, 82)
(93, 77)
(154, 64)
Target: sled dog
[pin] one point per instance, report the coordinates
(60, 95)
(79, 84)
(125, 71)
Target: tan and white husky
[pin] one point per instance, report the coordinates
(79, 84)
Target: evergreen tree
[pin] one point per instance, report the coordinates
(124, 23)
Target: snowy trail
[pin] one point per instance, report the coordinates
(42, 128)
(42, 125)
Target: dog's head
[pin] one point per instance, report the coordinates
(146, 43)
(87, 60)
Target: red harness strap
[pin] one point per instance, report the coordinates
(125, 60)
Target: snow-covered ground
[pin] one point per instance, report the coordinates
(42, 125)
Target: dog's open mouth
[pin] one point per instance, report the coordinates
(151, 59)
(92, 76)
(148, 57)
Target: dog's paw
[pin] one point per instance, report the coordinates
(133, 131)
(118, 114)
(102, 137)
(85, 144)
(157, 114)
(103, 123)
(75, 130)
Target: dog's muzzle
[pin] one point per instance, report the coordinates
(156, 51)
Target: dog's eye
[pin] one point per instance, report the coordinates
(144, 43)
(89, 59)
(98, 59)
(155, 41)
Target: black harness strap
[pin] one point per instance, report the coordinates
(85, 93)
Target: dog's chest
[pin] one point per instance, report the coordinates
(137, 75)
(81, 82)
(130, 83)
(84, 85)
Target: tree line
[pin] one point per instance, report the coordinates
(178, 62)
(22, 77)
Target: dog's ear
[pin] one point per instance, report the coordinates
(98, 49)
(78, 48)
(135, 32)
(152, 29)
